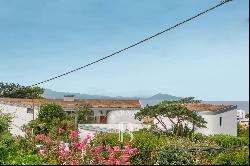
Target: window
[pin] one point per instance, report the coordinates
(29, 110)
(220, 121)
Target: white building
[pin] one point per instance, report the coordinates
(107, 113)
(220, 119)
(111, 115)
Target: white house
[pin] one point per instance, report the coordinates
(112, 115)
(107, 113)
(221, 119)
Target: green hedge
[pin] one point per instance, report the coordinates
(233, 157)
(230, 141)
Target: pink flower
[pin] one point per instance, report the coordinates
(133, 151)
(39, 137)
(63, 147)
(80, 147)
(73, 134)
(61, 130)
(47, 140)
(127, 148)
(99, 148)
(111, 161)
(116, 149)
(108, 148)
(117, 162)
(74, 162)
(74, 144)
(85, 141)
(126, 157)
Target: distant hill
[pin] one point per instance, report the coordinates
(50, 94)
(160, 96)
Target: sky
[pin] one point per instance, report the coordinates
(207, 58)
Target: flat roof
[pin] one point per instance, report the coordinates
(93, 103)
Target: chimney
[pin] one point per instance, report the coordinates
(69, 98)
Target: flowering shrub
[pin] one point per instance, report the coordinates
(74, 153)
(112, 156)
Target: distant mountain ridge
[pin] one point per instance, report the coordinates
(50, 94)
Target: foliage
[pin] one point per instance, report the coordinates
(12, 90)
(233, 157)
(7, 146)
(14, 151)
(143, 140)
(177, 156)
(36, 127)
(175, 111)
(49, 112)
(50, 118)
(27, 158)
(229, 141)
(85, 115)
(5, 120)
(149, 144)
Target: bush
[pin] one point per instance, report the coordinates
(177, 156)
(233, 157)
(5, 120)
(71, 152)
(28, 158)
(150, 143)
(85, 115)
(7, 147)
(49, 112)
(50, 118)
(145, 141)
(229, 141)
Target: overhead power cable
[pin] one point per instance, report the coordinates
(135, 44)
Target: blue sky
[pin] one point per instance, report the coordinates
(206, 58)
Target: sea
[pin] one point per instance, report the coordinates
(241, 105)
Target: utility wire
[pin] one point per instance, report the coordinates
(133, 45)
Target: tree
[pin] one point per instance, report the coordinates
(5, 120)
(175, 111)
(85, 115)
(49, 112)
(12, 90)
(49, 116)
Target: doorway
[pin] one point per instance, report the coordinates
(103, 119)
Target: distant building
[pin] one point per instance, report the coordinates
(69, 98)
(241, 114)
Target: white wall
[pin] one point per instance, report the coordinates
(21, 117)
(228, 126)
(119, 116)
